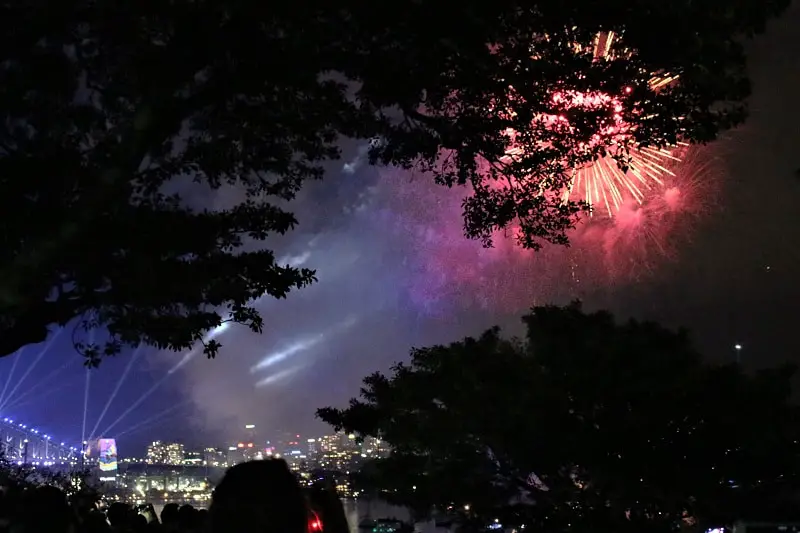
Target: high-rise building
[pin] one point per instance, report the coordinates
(242, 452)
(294, 452)
(215, 457)
(312, 452)
(156, 453)
(175, 453)
(163, 453)
(235, 455)
(339, 452)
(193, 458)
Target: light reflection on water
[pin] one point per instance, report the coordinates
(355, 511)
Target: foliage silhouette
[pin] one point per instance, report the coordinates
(76, 484)
(114, 113)
(584, 424)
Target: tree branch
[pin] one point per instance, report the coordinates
(32, 326)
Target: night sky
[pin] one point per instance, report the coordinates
(394, 273)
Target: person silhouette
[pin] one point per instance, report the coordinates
(259, 497)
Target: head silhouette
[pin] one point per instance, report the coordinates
(45, 509)
(259, 497)
(169, 515)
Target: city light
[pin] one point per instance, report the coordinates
(165, 453)
(169, 472)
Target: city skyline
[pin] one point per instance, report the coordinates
(271, 441)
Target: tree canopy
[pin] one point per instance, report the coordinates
(112, 110)
(585, 424)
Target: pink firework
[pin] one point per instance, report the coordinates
(625, 173)
(445, 269)
(640, 212)
(644, 232)
(639, 197)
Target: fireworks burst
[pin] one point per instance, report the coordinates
(643, 201)
(446, 269)
(605, 184)
(625, 171)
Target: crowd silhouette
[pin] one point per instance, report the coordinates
(254, 497)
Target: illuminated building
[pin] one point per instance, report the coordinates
(242, 452)
(175, 454)
(161, 484)
(162, 453)
(312, 451)
(342, 452)
(338, 452)
(234, 456)
(107, 459)
(193, 459)
(156, 453)
(294, 453)
(296, 460)
(215, 457)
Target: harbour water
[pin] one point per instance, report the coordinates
(356, 510)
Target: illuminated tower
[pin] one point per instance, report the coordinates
(250, 433)
(312, 451)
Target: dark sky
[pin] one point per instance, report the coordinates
(394, 273)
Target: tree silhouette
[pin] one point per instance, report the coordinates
(114, 112)
(585, 424)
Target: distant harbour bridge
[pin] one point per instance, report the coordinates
(23, 444)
